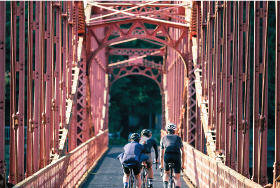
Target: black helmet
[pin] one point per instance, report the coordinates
(135, 137)
(146, 132)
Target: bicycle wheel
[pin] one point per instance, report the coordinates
(131, 180)
(144, 178)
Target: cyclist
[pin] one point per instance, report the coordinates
(148, 143)
(170, 146)
(131, 158)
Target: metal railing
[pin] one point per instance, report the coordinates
(68, 170)
(204, 171)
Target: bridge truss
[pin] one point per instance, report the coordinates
(212, 53)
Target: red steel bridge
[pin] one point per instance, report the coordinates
(215, 73)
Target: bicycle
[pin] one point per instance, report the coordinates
(131, 179)
(144, 176)
(171, 182)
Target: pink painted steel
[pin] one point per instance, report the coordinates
(63, 83)
(242, 121)
(68, 170)
(232, 115)
(21, 94)
(13, 176)
(218, 55)
(37, 85)
(113, 27)
(139, 51)
(209, 61)
(277, 99)
(206, 172)
(42, 161)
(30, 122)
(2, 93)
(49, 58)
(228, 83)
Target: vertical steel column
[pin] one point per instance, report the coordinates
(262, 166)
(241, 29)
(37, 85)
(42, 162)
(2, 92)
(65, 61)
(21, 96)
(70, 50)
(277, 98)
(218, 100)
(256, 90)
(243, 111)
(49, 61)
(13, 177)
(199, 127)
(232, 115)
(203, 39)
(53, 77)
(227, 84)
(57, 75)
(210, 60)
(260, 124)
(30, 122)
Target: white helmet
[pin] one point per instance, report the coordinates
(170, 127)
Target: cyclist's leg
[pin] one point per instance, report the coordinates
(137, 174)
(166, 170)
(177, 180)
(126, 173)
(177, 169)
(150, 169)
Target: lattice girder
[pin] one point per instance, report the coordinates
(136, 70)
(133, 33)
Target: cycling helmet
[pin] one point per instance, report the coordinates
(171, 127)
(146, 132)
(135, 137)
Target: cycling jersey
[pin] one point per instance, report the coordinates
(171, 143)
(148, 143)
(133, 155)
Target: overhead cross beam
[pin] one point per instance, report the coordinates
(136, 51)
(136, 15)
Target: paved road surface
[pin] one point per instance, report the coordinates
(108, 172)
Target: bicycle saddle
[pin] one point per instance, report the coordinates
(171, 165)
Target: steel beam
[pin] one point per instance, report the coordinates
(136, 51)
(2, 92)
(277, 99)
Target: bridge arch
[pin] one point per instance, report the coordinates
(134, 33)
(136, 70)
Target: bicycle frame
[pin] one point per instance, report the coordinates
(171, 183)
(144, 174)
(131, 179)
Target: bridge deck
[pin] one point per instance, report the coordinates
(108, 172)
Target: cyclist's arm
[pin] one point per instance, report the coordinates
(161, 154)
(183, 154)
(156, 149)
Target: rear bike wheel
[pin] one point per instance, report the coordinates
(131, 180)
(144, 178)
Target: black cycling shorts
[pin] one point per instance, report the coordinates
(172, 158)
(136, 170)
